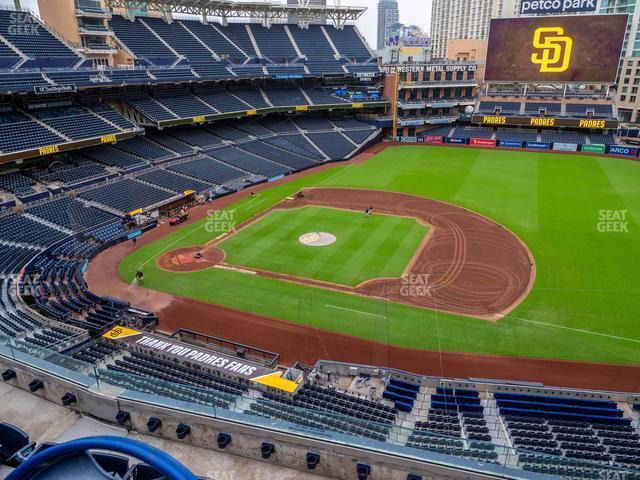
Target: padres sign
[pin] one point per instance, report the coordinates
(581, 49)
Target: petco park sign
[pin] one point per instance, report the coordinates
(534, 7)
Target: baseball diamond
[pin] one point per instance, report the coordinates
(535, 314)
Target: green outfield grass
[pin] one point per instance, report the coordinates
(583, 305)
(379, 246)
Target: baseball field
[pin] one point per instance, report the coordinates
(575, 217)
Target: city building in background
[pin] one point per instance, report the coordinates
(388, 20)
(628, 98)
(84, 24)
(464, 19)
(411, 45)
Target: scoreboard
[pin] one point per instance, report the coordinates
(573, 49)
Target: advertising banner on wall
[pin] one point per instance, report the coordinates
(550, 122)
(593, 148)
(432, 139)
(623, 150)
(510, 144)
(482, 142)
(456, 140)
(538, 145)
(565, 147)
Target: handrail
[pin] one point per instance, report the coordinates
(168, 466)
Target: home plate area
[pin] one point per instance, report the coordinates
(317, 239)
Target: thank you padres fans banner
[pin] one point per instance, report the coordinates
(168, 347)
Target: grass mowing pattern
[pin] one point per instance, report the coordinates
(583, 305)
(380, 246)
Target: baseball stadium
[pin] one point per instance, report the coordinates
(236, 243)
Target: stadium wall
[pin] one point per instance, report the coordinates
(615, 151)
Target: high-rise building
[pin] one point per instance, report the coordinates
(388, 15)
(84, 24)
(464, 19)
(627, 91)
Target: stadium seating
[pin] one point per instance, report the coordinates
(441, 131)
(222, 100)
(505, 107)
(473, 132)
(143, 148)
(242, 158)
(183, 104)
(581, 110)
(25, 134)
(285, 97)
(333, 144)
(16, 183)
(34, 41)
(274, 43)
(602, 138)
(534, 108)
(141, 41)
(113, 157)
(127, 195)
(171, 181)
(563, 137)
(197, 137)
(70, 213)
(21, 81)
(152, 109)
(20, 229)
(517, 134)
(169, 142)
(73, 172)
(291, 160)
(214, 40)
(209, 170)
(349, 43)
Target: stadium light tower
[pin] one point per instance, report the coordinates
(17, 5)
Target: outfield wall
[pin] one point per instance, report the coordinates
(618, 151)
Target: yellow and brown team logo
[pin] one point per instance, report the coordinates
(119, 332)
(554, 49)
(309, 238)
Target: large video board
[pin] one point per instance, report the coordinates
(578, 48)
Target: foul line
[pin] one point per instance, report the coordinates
(355, 311)
(579, 330)
(198, 228)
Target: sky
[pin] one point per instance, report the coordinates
(414, 12)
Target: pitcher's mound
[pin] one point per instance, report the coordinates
(317, 239)
(187, 259)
